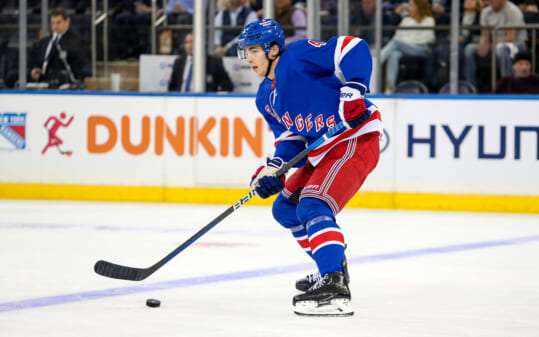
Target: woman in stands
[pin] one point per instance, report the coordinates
(408, 42)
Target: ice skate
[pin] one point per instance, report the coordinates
(329, 296)
(304, 283)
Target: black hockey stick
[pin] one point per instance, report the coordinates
(68, 153)
(117, 271)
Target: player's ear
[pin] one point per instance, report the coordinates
(274, 51)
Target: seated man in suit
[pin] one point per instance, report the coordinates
(57, 59)
(217, 78)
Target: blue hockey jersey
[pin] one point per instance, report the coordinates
(302, 102)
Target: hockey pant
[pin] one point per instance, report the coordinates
(313, 196)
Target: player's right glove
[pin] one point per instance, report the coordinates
(264, 181)
(352, 104)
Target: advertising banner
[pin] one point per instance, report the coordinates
(471, 146)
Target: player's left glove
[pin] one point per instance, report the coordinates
(352, 104)
(264, 181)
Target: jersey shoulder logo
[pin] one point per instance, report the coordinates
(316, 43)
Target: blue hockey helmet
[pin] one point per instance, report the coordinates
(263, 32)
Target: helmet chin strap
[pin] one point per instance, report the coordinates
(269, 65)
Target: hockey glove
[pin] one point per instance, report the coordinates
(264, 181)
(352, 104)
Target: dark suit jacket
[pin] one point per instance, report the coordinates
(70, 43)
(216, 76)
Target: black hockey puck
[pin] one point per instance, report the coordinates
(153, 303)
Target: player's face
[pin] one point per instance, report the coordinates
(256, 57)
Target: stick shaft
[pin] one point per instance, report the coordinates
(113, 270)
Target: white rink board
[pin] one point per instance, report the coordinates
(415, 158)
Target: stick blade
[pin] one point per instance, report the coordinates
(117, 271)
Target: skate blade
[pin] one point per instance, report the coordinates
(335, 307)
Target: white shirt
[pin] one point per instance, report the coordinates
(49, 49)
(510, 14)
(188, 63)
(419, 37)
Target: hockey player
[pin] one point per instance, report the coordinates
(301, 98)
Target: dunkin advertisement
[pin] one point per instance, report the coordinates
(434, 145)
(131, 140)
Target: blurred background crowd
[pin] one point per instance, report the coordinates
(415, 44)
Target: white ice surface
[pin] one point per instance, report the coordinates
(413, 273)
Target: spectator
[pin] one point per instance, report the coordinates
(78, 6)
(508, 42)
(523, 81)
(257, 6)
(364, 15)
(470, 17)
(288, 15)
(438, 7)
(55, 59)
(182, 72)
(142, 10)
(234, 15)
(402, 9)
(441, 50)
(131, 34)
(145, 7)
(328, 17)
(408, 42)
(180, 11)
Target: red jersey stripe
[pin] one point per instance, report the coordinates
(346, 41)
(304, 243)
(332, 235)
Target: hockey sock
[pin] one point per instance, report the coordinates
(284, 211)
(301, 236)
(326, 240)
(327, 244)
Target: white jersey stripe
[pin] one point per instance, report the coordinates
(288, 135)
(328, 243)
(325, 230)
(348, 47)
(336, 55)
(374, 125)
(341, 52)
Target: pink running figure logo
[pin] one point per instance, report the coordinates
(54, 140)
